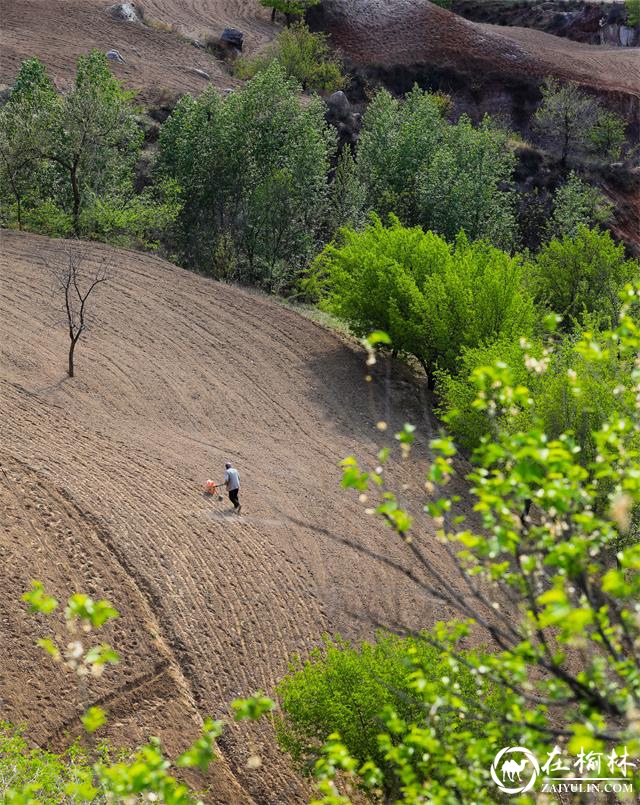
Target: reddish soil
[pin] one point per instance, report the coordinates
(412, 32)
(104, 494)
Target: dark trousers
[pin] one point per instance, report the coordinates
(233, 497)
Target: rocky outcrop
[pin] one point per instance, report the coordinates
(232, 38)
(340, 115)
(619, 35)
(114, 55)
(127, 12)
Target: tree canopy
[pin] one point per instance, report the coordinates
(69, 159)
(431, 297)
(252, 171)
(428, 171)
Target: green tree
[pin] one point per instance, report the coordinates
(292, 9)
(565, 117)
(633, 12)
(69, 159)
(576, 204)
(396, 139)
(582, 275)
(432, 298)
(344, 688)
(608, 134)
(467, 185)
(428, 171)
(305, 56)
(228, 158)
(347, 196)
(555, 591)
(21, 170)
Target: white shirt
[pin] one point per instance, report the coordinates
(232, 478)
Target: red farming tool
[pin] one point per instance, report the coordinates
(211, 488)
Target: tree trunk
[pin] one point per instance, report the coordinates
(565, 143)
(71, 350)
(76, 200)
(430, 378)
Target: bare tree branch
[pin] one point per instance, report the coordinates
(75, 278)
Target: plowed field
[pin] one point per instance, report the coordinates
(103, 493)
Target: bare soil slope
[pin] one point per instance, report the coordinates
(57, 33)
(405, 33)
(379, 32)
(103, 493)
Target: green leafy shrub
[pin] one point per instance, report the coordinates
(48, 774)
(345, 688)
(432, 298)
(305, 56)
(583, 274)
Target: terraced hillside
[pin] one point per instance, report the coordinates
(158, 55)
(405, 33)
(394, 34)
(103, 493)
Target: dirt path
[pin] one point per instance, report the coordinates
(177, 374)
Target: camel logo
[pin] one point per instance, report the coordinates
(521, 770)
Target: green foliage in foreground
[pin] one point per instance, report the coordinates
(432, 298)
(305, 56)
(548, 575)
(51, 776)
(86, 772)
(354, 690)
(67, 161)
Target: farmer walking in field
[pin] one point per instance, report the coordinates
(232, 482)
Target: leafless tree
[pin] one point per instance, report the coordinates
(76, 277)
